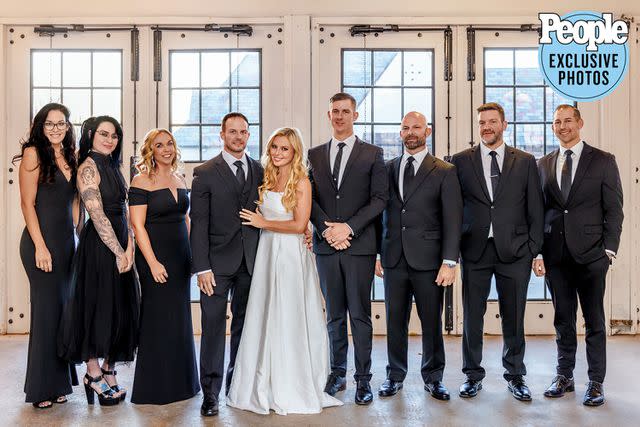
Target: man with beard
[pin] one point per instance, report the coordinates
(583, 223)
(223, 250)
(501, 233)
(419, 252)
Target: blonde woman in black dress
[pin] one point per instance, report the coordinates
(158, 201)
(48, 200)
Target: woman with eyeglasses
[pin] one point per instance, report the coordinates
(158, 203)
(49, 206)
(100, 320)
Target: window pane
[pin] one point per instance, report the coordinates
(79, 103)
(215, 104)
(529, 104)
(363, 103)
(185, 106)
(76, 69)
(377, 291)
(215, 69)
(536, 288)
(498, 66)
(363, 132)
(42, 97)
(507, 136)
(211, 142)
(245, 69)
(107, 69)
(356, 68)
(246, 101)
(418, 100)
(527, 72)
(388, 137)
(387, 106)
(387, 68)
(46, 68)
(254, 144)
(417, 68)
(107, 101)
(185, 69)
(553, 100)
(530, 138)
(552, 142)
(188, 138)
(504, 97)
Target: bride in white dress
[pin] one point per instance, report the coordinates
(283, 357)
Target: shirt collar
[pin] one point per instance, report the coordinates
(231, 159)
(350, 141)
(418, 156)
(576, 149)
(484, 150)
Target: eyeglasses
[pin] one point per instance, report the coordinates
(105, 134)
(60, 126)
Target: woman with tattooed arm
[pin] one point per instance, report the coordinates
(100, 322)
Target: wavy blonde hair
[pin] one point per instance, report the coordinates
(298, 168)
(146, 163)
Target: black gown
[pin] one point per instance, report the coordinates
(101, 318)
(166, 368)
(49, 376)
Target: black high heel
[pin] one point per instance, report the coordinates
(115, 388)
(105, 397)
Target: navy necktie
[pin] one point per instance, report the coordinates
(240, 173)
(409, 173)
(336, 164)
(495, 172)
(565, 177)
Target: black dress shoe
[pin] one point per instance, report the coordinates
(209, 408)
(437, 390)
(560, 386)
(335, 383)
(470, 388)
(363, 393)
(594, 396)
(519, 389)
(389, 388)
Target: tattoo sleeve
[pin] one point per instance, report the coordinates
(90, 194)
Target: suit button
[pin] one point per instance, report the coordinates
(337, 196)
(566, 211)
(404, 228)
(492, 207)
(404, 210)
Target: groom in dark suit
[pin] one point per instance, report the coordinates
(350, 190)
(223, 250)
(582, 227)
(501, 233)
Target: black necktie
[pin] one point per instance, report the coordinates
(409, 173)
(336, 164)
(239, 173)
(495, 173)
(565, 178)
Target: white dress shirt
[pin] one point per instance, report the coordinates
(346, 151)
(575, 157)
(486, 169)
(419, 157)
(230, 159)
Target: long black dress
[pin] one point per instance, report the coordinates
(166, 365)
(101, 318)
(48, 376)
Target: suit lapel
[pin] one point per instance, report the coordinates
(507, 165)
(553, 177)
(355, 151)
(328, 164)
(396, 174)
(225, 171)
(476, 160)
(583, 165)
(252, 176)
(428, 165)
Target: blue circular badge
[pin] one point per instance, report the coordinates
(582, 55)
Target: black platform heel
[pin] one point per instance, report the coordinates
(105, 397)
(115, 388)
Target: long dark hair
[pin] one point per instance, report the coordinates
(88, 132)
(46, 157)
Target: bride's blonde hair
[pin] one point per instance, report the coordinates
(298, 168)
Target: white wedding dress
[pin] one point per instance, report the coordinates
(283, 357)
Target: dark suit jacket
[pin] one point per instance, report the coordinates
(426, 225)
(591, 219)
(362, 196)
(516, 212)
(218, 239)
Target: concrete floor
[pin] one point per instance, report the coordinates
(493, 406)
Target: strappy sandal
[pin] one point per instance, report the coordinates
(117, 390)
(60, 400)
(43, 404)
(105, 395)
